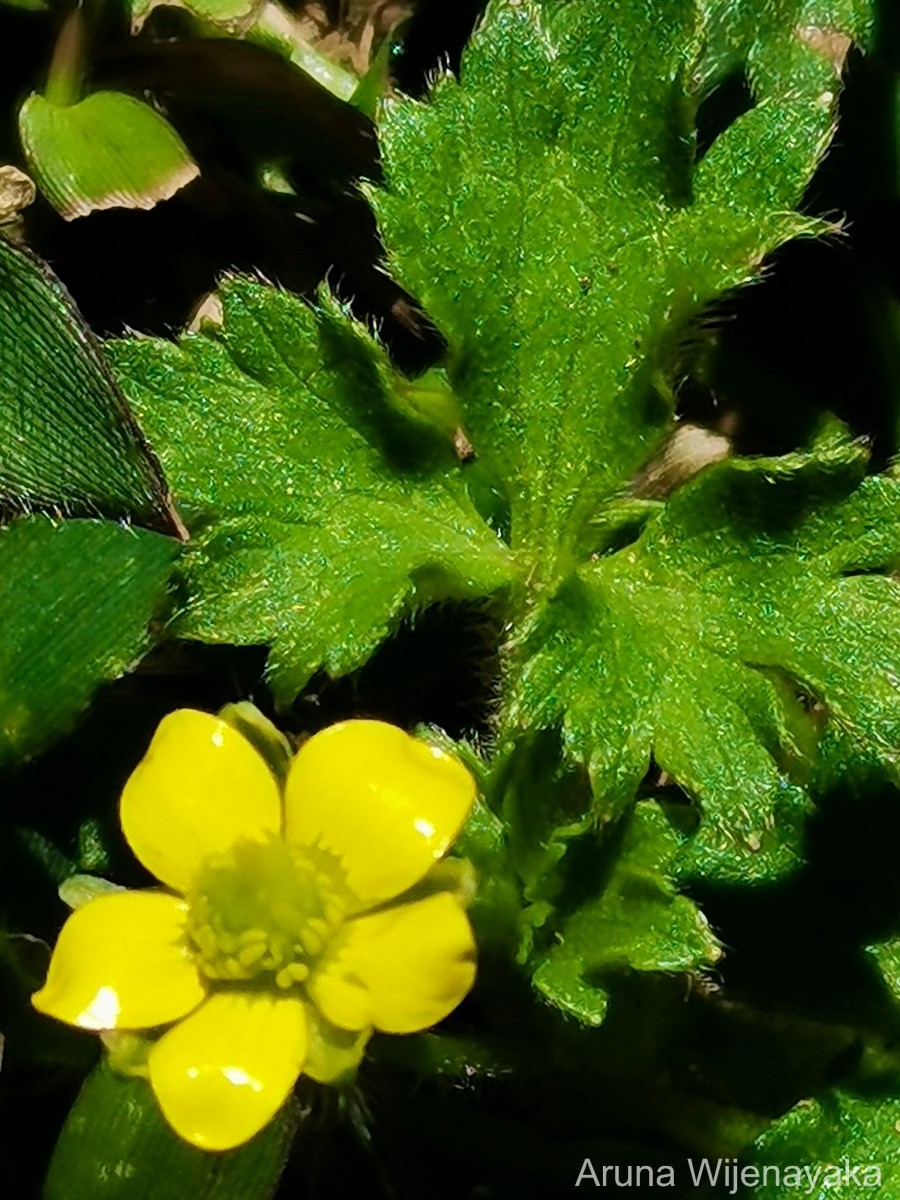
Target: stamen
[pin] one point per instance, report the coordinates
(266, 909)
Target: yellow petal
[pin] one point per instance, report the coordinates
(400, 969)
(121, 962)
(386, 804)
(334, 1054)
(223, 1073)
(200, 788)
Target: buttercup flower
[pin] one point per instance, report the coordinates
(288, 927)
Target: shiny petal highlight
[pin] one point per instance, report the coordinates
(121, 962)
(200, 788)
(223, 1073)
(387, 805)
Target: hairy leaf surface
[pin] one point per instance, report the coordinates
(297, 472)
(637, 922)
(554, 216)
(551, 215)
(836, 1133)
(752, 608)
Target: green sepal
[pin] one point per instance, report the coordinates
(334, 1054)
(262, 735)
(79, 890)
(128, 1053)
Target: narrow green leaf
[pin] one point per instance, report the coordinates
(76, 602)
(67, 438)
(106, 151)
(116, 1145)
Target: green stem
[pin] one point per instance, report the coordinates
(445, 1054)
(275, 26)
(65, 78)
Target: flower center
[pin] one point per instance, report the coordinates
(265, 909)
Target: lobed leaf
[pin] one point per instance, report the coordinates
(758, 35)
(636, 922)
(756, 600)
(552, 217)
(296, 466)
(821, 1140)
(552, 214)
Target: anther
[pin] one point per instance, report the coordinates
(251, 953)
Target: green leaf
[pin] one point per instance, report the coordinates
(545, 804)
(116, 1145)
(758, 593)
(886, 955)
(550, 215)
(296, 463)
(106, 151)
(67, 439)
(637, 922)
(759, 36)
(76, 602)
(821, 1134)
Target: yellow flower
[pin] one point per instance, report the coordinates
(287, 931)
